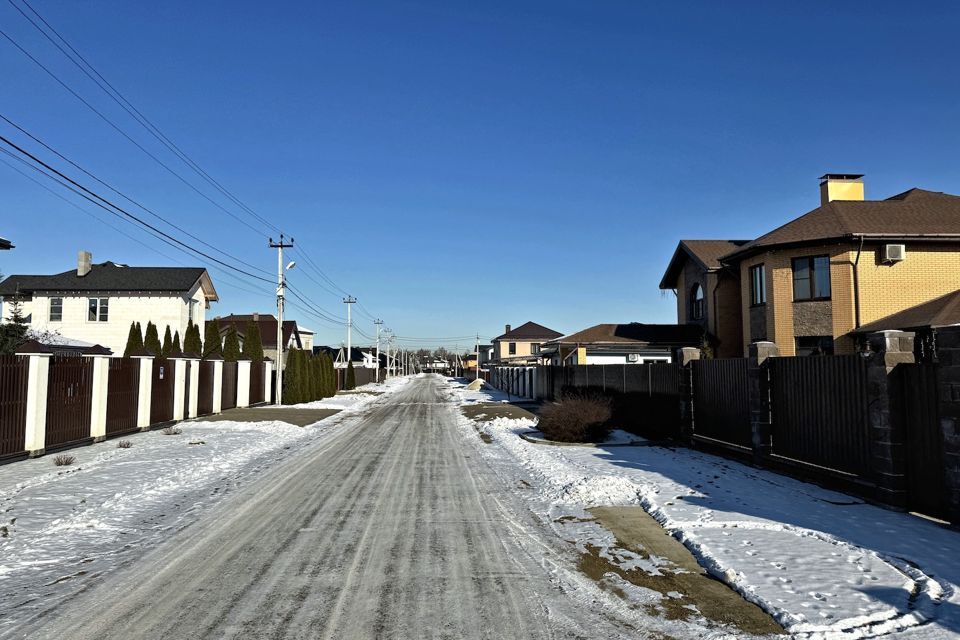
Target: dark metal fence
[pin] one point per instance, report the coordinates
(819, 408)
(228, 399)
(161, 400)
(721, 401)
(69, 400)
(205, 388)
(13, 404)
(256, 382)
(923, 439)
(123, 395)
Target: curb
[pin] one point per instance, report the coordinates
(530, 437)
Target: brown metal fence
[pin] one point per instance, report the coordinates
(229, 389)
(123, 395)
(13, 404)
(161, 400)
(205, 388)
(69, 400)
(721, 401)
(256, 382)
(819, 410)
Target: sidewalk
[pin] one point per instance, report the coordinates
(822, 563)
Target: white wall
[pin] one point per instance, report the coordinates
(163, 310)
(621, 358)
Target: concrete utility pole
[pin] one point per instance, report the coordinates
(379, 323)
(349, 301)
(478, 357)
(280, 246)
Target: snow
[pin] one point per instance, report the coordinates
(824, 564)
(61, 526)
(354, 400)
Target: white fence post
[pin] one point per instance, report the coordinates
(98, 400)
(145, 397)
(243, 383)
(194, 389)
(267, 380)
(36, 421)
(217, 385)
(179, 386)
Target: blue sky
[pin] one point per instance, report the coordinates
(459, 166)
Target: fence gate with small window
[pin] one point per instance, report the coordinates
(69, 400)
(123, 395)
(13, 404)
(229, 397)
(161, 400)
(205, 388)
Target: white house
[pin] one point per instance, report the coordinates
(97, 302)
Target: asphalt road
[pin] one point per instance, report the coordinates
(388, 529)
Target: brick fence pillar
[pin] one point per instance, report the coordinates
(758, 379)
(884, 398)
(948, 381)
(687, 356)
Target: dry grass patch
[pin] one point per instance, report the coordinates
(124, 444)
(64, 460)
(172, 431)
(577, 418)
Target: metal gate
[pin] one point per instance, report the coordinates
(819, 407)
(923, 439)
(721, 401)
(69, 399)
(205, 392)
(256, 382)
(161, 399)
(229, 397)
(13, 404)
(123, 395)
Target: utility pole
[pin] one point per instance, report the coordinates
(280, 246)
(379, 323)
(349, 301)
(478, 357)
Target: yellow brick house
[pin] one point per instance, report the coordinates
(814, 283)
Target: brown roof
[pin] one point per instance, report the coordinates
(706, 253)
(268, 328)
(912, 214)
(939, 312)
(530, 331)
(636, 333)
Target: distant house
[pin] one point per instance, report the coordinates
(483, 354)
(96, 303)
(362, 357)
(815, 283)
(522, 345)
(294, 337)
(5, 245)
(632, 343)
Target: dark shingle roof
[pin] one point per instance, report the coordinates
(637, 333)
(530, 331)
(268, 328)
(939, 312)
(912, 214)
(5, 244)
(706, 253)
(107, 276)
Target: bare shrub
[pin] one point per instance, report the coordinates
(124, 444)
(172, 431)
(577, 418)
(64, 460)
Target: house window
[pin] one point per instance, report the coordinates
(811, 278)
(56, 309)
(192, 311)
(534, 349)
(758, 285)
(696, 304)
(512, 348)
(98, 309)
(814, 345)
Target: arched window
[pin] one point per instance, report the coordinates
(696, 302)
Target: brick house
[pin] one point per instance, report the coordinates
(522, 345)
(813, 283)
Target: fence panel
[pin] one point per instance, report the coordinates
(819, 407)
(161, 398)
(256, 382)
(721, 400)
(205, 388)
(923, 439)
(123, 395)
(69, 399)
(13, 404)
(229, 397)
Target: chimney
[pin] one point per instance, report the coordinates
(841, 186)
(508, 329)
(83, 263)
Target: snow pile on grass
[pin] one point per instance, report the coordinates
(824, 564)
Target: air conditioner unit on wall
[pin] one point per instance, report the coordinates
(633, 357)
(894, 252)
